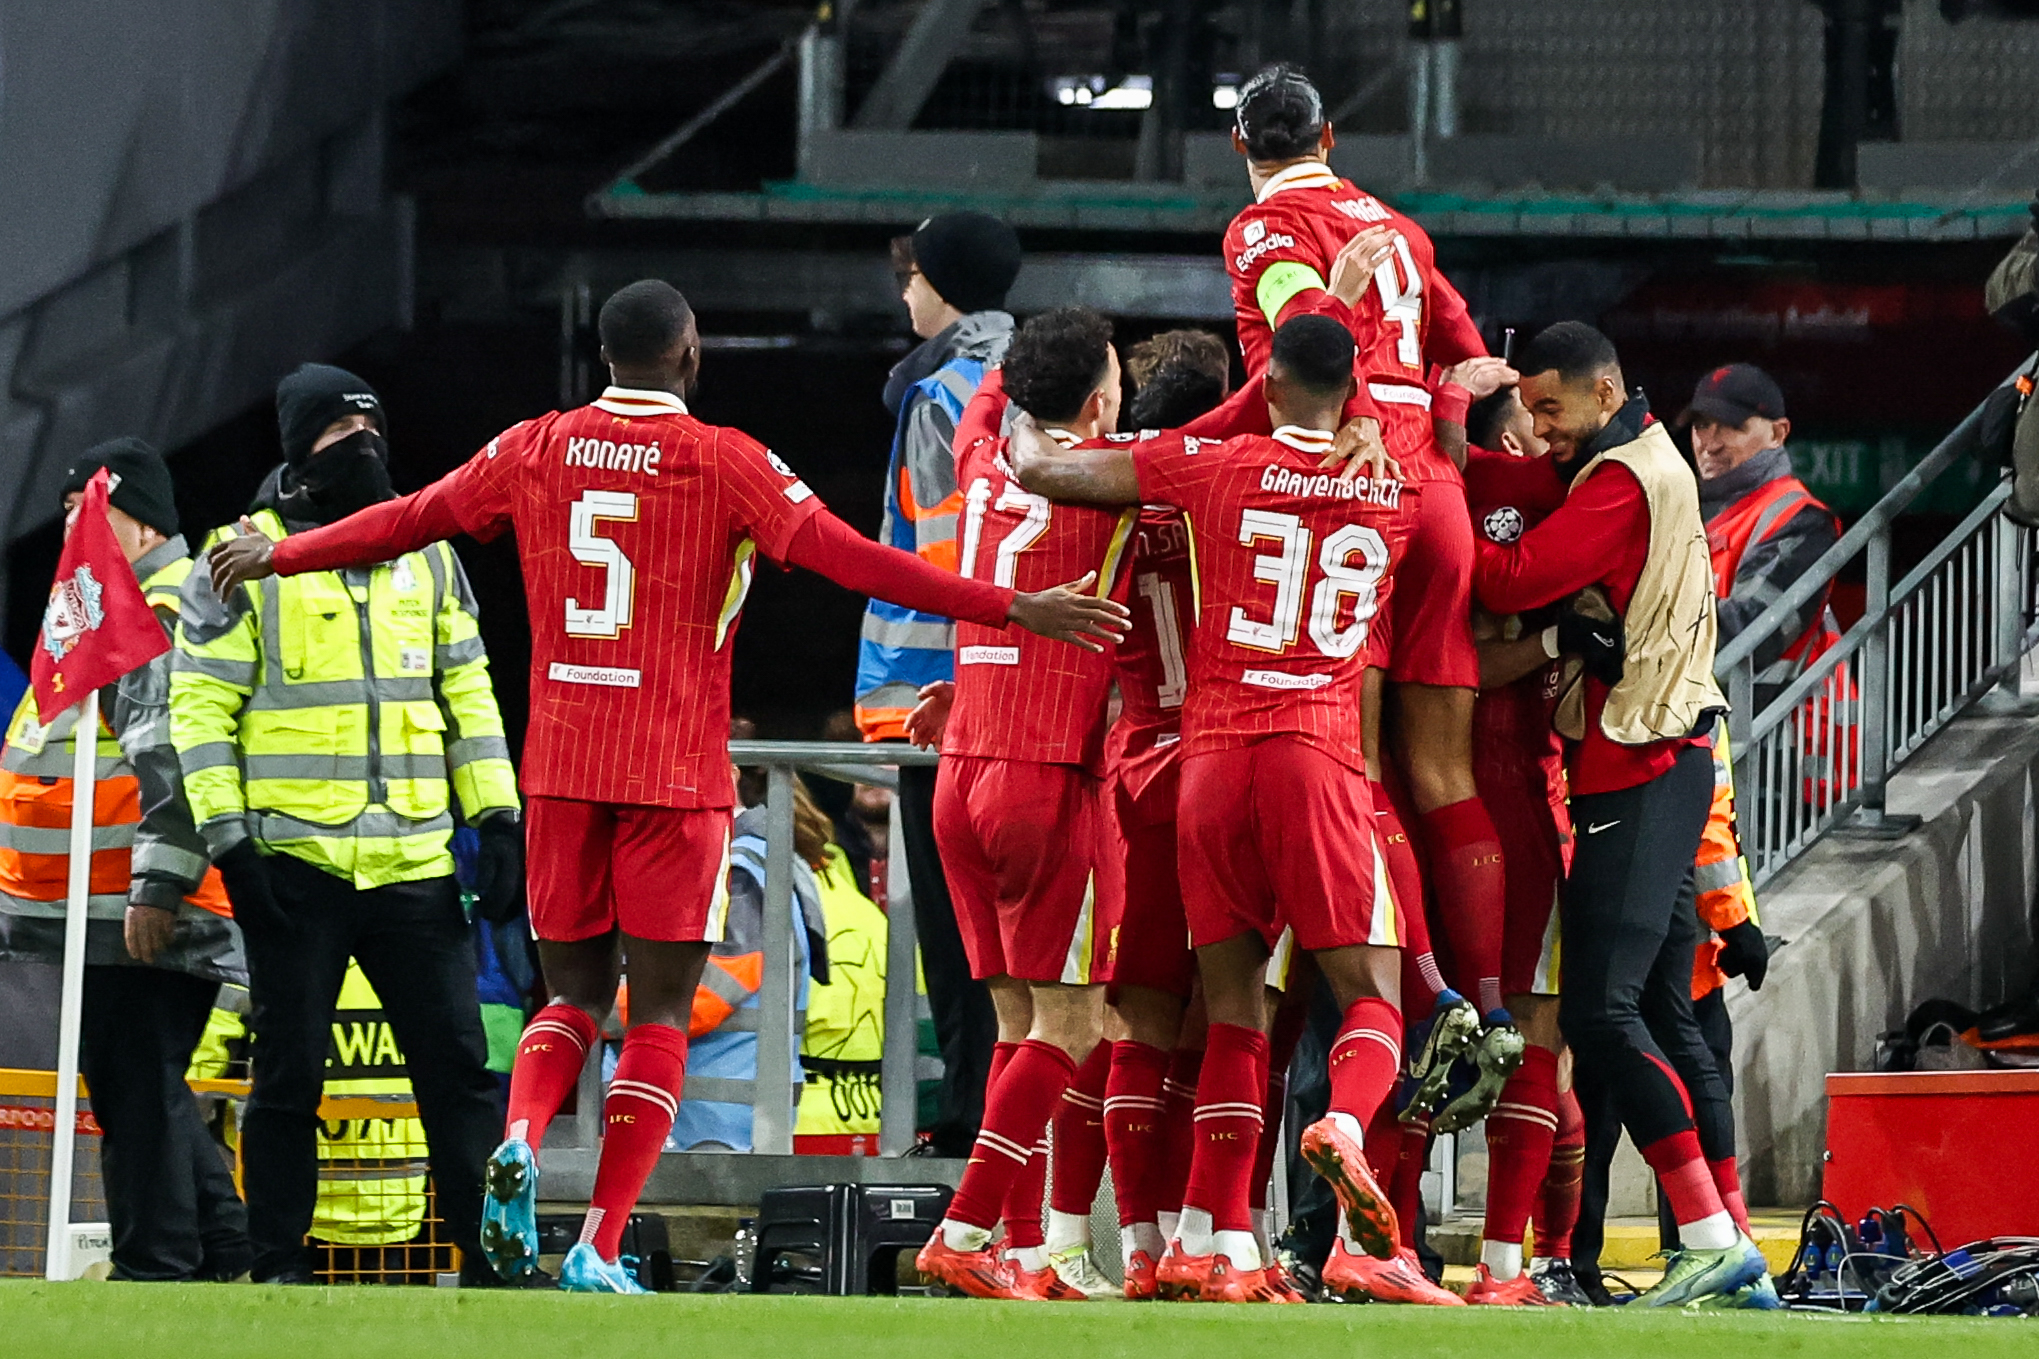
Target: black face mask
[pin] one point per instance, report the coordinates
(344, 477)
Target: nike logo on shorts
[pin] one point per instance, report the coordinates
(1605, 825)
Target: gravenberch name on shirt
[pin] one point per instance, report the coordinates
(1373, 491)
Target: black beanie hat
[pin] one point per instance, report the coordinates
(144, 489)
(315, 396)
(969, 258)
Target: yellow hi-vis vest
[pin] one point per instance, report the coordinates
(845, 1037)
(371, 1170)
(329, 714)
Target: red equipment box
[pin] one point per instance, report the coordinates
(1960, 1146)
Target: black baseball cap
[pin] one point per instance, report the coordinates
(1733, 393)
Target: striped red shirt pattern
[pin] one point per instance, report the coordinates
(637, 528)
(1153, 659)
(1019, 696)
(1290, 565)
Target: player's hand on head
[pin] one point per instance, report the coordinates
(240, 559)
(1359, 451)
(930, 717)
(1352, 270)
(1482, 376)
(1069, 613)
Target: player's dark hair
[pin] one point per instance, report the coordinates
(642, 321)
(1315, 353)
(1173, 397)
(1280, 115)
(1485, 417)
(1177, 375)
(1056, 361)
(1572, 349)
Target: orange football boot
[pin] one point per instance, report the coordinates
(1179, 1277)
(1342, 1164)
(1520, 1291)
(973, 1273)
(1140, 1285)
(1279, 1279)
(1362, 1278)
(1228, 1283)
(1043, 1284)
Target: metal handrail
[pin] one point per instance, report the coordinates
(1820, 753)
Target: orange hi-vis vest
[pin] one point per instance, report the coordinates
(1724, 896)
(35, 819)
(1831, 765)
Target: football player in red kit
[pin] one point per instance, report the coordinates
(638, 527)
(1027, 842)
(1280, 253)
(1275, 824)
(1518, 761)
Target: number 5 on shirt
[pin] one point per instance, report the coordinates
(590, 548)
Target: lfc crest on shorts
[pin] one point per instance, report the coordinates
(1503, 525)
(73, 611)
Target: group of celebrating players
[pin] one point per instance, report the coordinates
(1317, 733)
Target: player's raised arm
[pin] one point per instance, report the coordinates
(379, 533)
(1089, 476)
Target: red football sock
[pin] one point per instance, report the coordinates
(1464, 855)
(550, 1056)
(1132, 1129)
(1021, 1211)
(1001, 1053)
(1559, 1211)
(1016, 1111)
(1228, 1125)
(1728, 1180)
(1366, 1058)
(1421, 980)
(1405, 1191)
(1290, 1019)
(1079, 1136)
(1681, 1170)
(644, 1095)
(1178, 1129)
(1519, 1135)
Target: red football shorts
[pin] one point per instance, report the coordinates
(1532, 827)
(1430, 626)
(1153, 948)
(1281, 833)
(653, 872)
(1034, 868)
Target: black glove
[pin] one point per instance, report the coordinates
(499, 869)
(1595, 636)
(1745, 953)
(249, 888)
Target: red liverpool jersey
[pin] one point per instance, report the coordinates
(1290, 565)
(1153, 658)
(1019, 696)
(638, 528)
(1507, 495)
(1410, 318)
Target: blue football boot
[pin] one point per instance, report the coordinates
(1435, 1043)
(585, 1271)
(509, 1210)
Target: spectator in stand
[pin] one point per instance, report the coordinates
(1764, 529)
(954, 272)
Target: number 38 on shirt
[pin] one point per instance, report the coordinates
(1347, 565)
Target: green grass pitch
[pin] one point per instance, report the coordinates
(229, 1321)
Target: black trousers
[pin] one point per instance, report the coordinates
(415, 947)
(1718, 1032)
(1629, 931)
(169, 1195)
(965, 1024)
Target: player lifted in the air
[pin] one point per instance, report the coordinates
(1275, 821)
(638, 528)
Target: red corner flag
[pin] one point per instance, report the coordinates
(97, 626)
